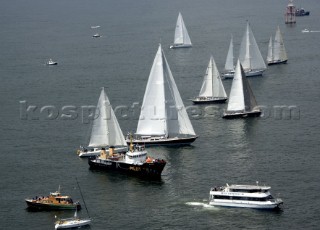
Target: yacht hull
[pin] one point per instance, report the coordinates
(210, 101)
(268, 205)
(165, 141)
(277, 62)
(254, 73)
(97, 152)
(180, 46)
(149, 170)
(76, 223)
(228, 76)
(241, 115)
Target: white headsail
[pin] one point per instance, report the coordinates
(105, 129)
(163, 112)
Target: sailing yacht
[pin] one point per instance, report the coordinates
(163, 118)
(229, 65)
(73, 222)
(212, 90)
(105, 130)
(242, 102)
(250, 56)
(276, 51)
(181, 36)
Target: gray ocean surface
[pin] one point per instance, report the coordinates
(38, 153)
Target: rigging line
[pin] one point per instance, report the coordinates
(82, 197)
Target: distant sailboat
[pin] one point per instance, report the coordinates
(181, 36)
(276, 51)
(105, 130)
(242, 102)
(229, 65)
(250, 56)
(163, 118)
(212, 90)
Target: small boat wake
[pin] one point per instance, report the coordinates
(310, 31)
(202, 204)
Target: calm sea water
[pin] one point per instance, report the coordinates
(38, 154)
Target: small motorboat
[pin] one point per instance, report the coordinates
(96, 36)
(73, 222)
(51, 62)
(305, 31)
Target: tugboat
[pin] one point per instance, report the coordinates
(244, 196)
(133, 162)
(55, 201)
(302, 12)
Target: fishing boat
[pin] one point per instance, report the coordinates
(163, 118)
(276, 51)
(134, 162)
(105, 130)
(250, 56)
(75, 221)
(212, 90)
(55, 201)
(242, 102)
(51, 62)
(229, 65)
(244, 196)
(181, 36)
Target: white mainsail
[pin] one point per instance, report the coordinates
(163, 112)
(181, 35)
(105, 129)
(241, 97)
(229, 65)
(212, 85)
(250, 56)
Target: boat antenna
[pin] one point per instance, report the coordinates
(82, 197)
